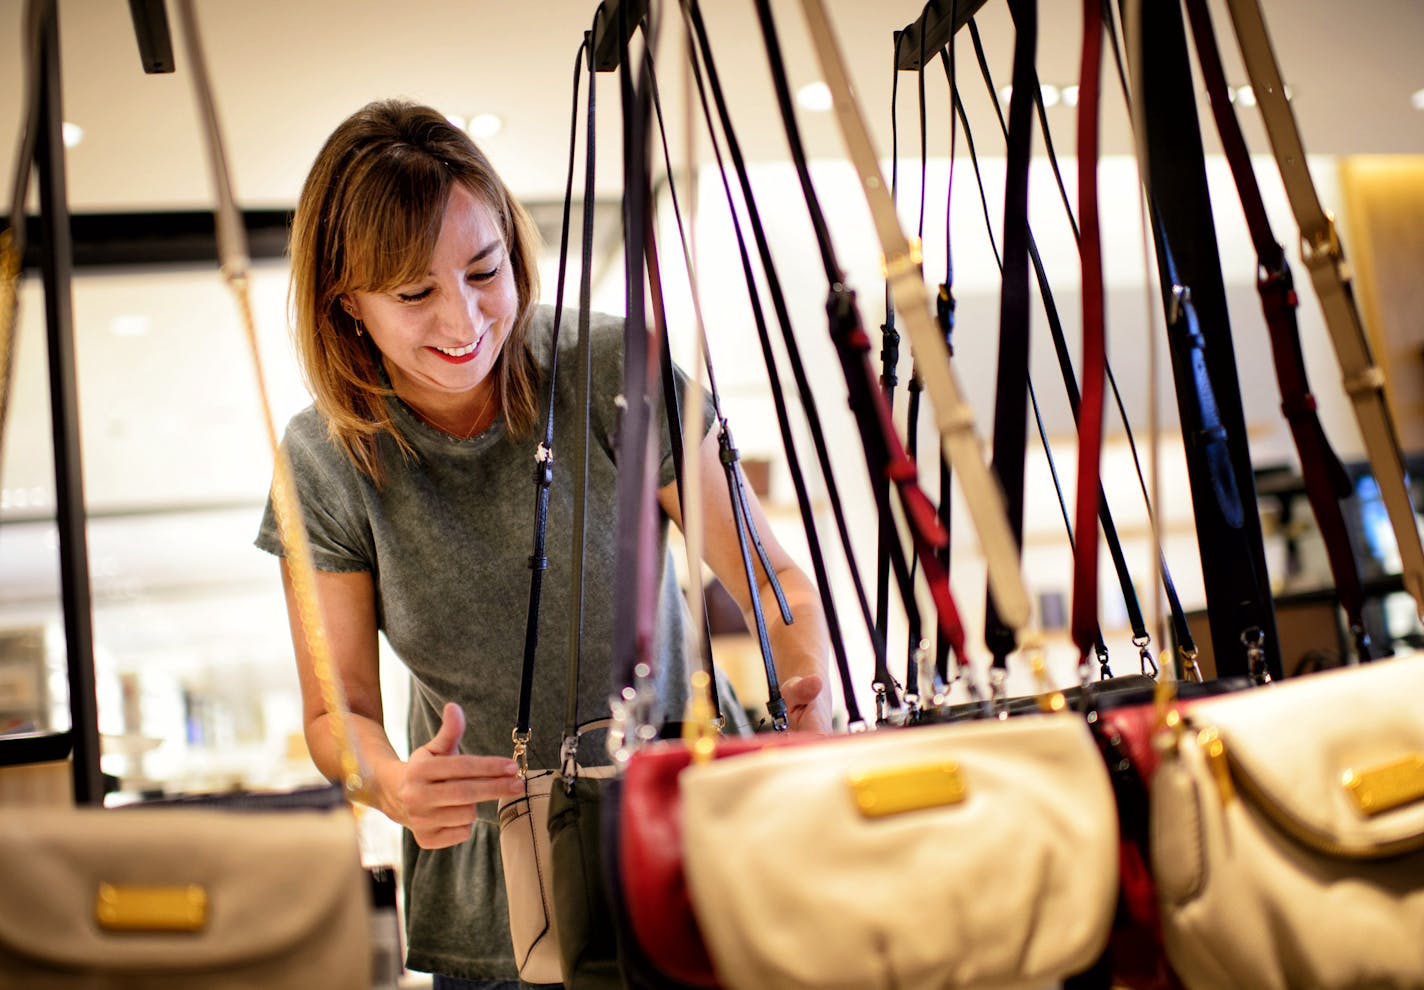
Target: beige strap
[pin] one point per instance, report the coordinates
(1324, 256)
(232, 253)
(953, 416)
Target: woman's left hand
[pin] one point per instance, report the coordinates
(808, 703)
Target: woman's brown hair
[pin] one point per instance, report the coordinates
(368, 218)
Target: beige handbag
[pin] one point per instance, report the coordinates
(973, 854)
(528, 879)
(1288, 834)
(171, 897)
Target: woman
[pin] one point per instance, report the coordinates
(415, 289)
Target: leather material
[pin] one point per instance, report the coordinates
(656, 898)
(1014, 886)
(1270, 876)
(288, 900)
(584, 915)
(528, 876)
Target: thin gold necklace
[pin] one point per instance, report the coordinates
(474, 423)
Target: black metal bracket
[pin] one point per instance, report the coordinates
(932, 30)
(155, 42)
(607, 42)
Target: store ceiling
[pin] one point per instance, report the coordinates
(286, 71)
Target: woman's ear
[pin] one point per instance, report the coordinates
(349, 304)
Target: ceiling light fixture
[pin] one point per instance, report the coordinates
(815, 97)
(484, 126)
(1417, 99)
(1070, 96)
(1051, 94)
(72, 134)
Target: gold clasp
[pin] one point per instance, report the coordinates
(1213, 748)
(879, 793)
(1383, 788)
(120, 908)
(521, 752)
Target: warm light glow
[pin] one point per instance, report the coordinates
(484, 126)
(1245, 96)
(1070, 96)
(456, 120)
(815, 97)
(72, 134)
(1418, 99)
(1051, 94)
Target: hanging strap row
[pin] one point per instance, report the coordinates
(954, 418)
(1326, 481)
(1240, 609)
(1324, 256)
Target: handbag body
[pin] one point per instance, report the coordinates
(528, 877)
(182, 897)
(968, 855)
(587, 935)
(1288, 834)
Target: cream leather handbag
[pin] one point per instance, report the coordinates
(1288, 834)
(974, 854)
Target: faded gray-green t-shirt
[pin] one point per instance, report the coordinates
(447, 539)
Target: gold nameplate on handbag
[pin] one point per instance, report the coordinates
(893, 791)
(1383, 788)
(151, 909)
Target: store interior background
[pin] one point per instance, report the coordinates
(192, 651)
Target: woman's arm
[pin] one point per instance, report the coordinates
(434, 793)
(801, 649)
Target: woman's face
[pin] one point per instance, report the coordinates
(440, 334)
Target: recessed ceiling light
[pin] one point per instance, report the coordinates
(129, 325)
(456, 120)
(815, 97)
(1006, 93)
(1070, 96)
(72, 134)
(485, 125)
(1417, 99)
(1051, 94)
(1246, 96)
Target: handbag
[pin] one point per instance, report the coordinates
(1287, 833)
(977, 854)
(524, 848)
(187, 897)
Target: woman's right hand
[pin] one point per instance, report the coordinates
(440, 786)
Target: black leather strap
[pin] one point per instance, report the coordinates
(544, 453)
(583, 371)
(1011, 379)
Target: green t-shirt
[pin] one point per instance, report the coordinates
(446, 539)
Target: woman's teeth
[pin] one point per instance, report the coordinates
(459, 351)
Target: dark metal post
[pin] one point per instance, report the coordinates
(56, 262)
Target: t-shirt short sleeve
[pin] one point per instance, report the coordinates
(327, 485)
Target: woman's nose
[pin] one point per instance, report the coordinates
(459, 312)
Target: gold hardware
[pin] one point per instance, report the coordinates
(1213, 747)
(1049, 700)
(181, 908)
(1391, 785)
(521, 751)
(700, 731)
(909, 261)
(1322, 248)
(880, 793)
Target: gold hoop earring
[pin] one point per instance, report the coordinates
(360, 331)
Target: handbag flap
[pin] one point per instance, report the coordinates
(1335, 759)
(269, 882)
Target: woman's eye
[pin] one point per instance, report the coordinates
(484, 276)
(410, 297)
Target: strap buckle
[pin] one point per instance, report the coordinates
(1323, 248)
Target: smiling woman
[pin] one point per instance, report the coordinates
(414, 289)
